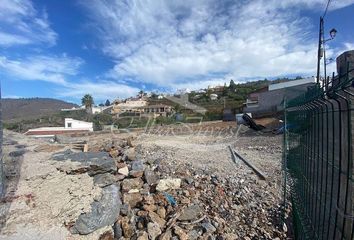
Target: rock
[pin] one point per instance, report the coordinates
(193, 235)
(166, 236)
(125, 209)
(169, 183)
(105, 179)
(150, 208)
(103, 212)
(137, 168)
(117, 230)
(150, 177)
(130, 154)
(108, 235)
(180, 233)
(124, 171)
(191, 213)
(208, 227)
(143, 236)
(153, 230)
(133, 199)
(149, 199)
(156, 219)
(91, 162)
(161, 211)
(128, 229)
(17, 153)
(131, 183)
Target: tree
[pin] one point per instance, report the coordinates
(87, 101)
(232, 86)
(141, 93)
(108, 103)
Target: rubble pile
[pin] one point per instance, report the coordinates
(144, 199)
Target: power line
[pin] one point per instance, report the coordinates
(324, 14)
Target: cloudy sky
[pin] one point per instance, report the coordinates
(64, 49)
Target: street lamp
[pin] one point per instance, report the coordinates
(333, 33)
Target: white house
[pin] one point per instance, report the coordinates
(213, 96)
(70, 126)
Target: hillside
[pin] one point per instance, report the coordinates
(28, 108)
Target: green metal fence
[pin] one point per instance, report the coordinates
(318, 156)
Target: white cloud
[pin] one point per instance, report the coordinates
(53, 69)
(21, 23)
(172, 43)
(99, 90)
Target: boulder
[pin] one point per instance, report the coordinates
(104, 212)
(89, 162)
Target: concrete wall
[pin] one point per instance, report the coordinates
(272, 101)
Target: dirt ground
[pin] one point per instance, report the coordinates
(40, 200)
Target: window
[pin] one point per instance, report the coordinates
(69, 125)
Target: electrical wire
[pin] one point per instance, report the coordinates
(325, 12)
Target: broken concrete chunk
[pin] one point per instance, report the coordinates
(169, 183)
(191, 213)
(104, 212)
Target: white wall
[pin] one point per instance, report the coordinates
(76, 124)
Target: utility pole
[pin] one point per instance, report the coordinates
(319, 53)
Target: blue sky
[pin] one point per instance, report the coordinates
(112, 49)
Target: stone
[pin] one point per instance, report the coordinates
(131, 183)
(108, 235)
(193, 235)
(104, 212)
(17, 153)
(89, 162)
(208, 227)
(127, 228)
(191, 213)
(161, 211)
(104, 179)
(166, 235)
(124, 171)
(169, 183)
(150, 177)
(137, 168)
(153, 230)
(156, 219)
(150, 208)
(149, 199)
(117, 230)
(130, 154)
(143, 236)
(133, 199)
(180, 233)
(125, 209)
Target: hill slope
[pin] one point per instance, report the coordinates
(28, 108)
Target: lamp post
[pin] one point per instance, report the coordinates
(321, 48)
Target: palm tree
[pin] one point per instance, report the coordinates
(87, 100)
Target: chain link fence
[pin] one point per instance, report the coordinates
(318, 157)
